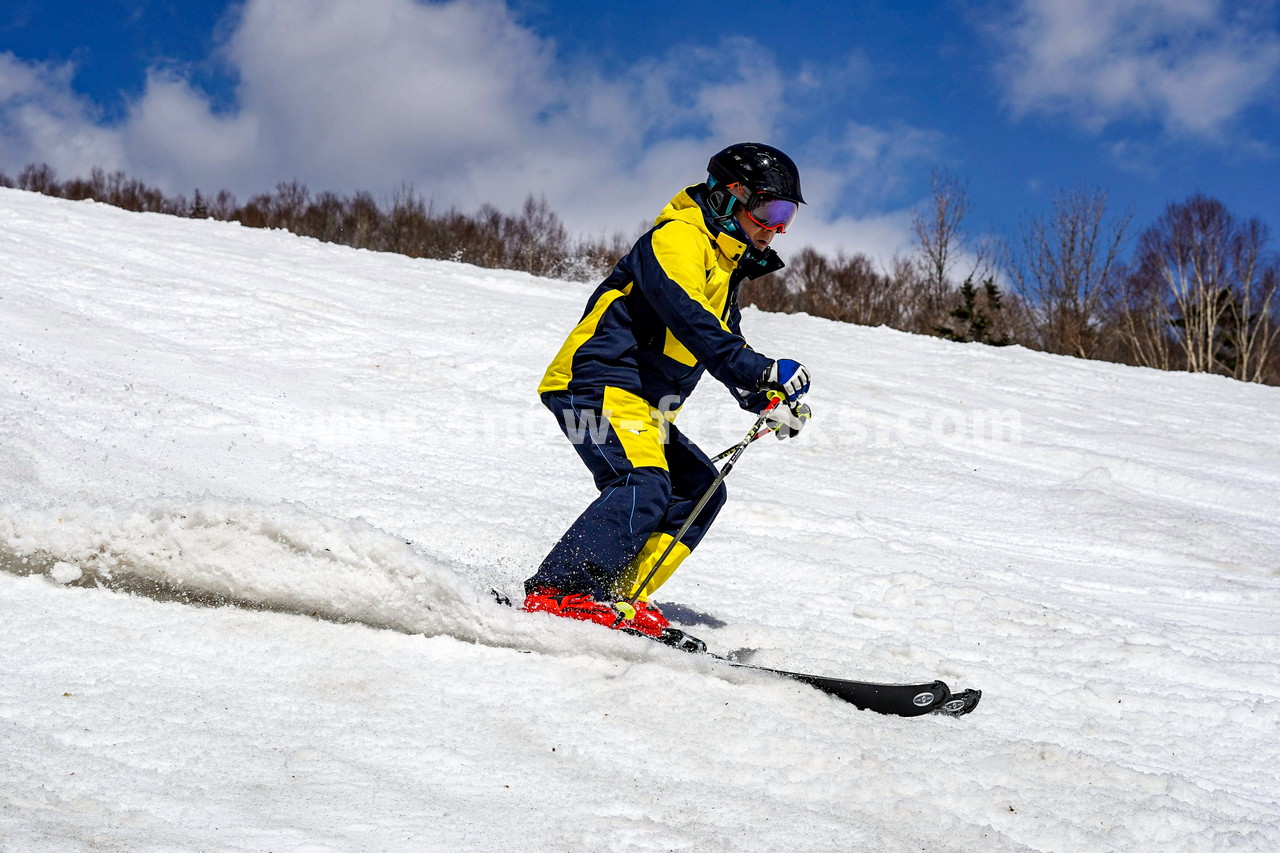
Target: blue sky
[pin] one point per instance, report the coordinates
(607, 109)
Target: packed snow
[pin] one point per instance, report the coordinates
(255, 489)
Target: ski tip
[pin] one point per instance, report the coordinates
(960, 703)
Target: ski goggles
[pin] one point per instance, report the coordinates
(773, 214)
(770, 213)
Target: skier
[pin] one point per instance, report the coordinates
(667, 312)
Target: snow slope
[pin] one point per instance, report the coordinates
(346, 446)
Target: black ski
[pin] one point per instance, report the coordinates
(901, 700)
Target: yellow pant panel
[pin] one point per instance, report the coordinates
(642, 430)
(644, 562)
(640, 427)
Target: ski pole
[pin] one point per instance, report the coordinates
(728, 451)
(733, 453)
(760, 433)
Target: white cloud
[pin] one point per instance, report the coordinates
(360, 89)
(1194, 66)
(880, 236)
(41, 119)
(173, 137)
(461, 101)
(848, 183)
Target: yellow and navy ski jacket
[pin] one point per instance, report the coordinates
(667, 312)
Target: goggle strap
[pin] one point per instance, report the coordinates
(740, 192)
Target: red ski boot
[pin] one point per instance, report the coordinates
(619, 615)
(649, 619)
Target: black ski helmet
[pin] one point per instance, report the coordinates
(760, 168)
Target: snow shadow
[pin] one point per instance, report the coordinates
(686, 615)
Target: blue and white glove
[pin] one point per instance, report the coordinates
(787, 421)
(787, 376)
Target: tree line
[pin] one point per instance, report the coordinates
(533, 240)
(1200, 290)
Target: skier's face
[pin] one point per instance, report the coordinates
(759, 237)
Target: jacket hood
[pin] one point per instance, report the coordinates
(688, 207)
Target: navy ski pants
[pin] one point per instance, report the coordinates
(649, 475)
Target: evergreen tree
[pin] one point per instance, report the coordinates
(199, 209)
(976, 315)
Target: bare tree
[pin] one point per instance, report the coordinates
(323, 218)
(846, 288)
(39, 179)
(1143, 324)
(286, 208)
(405, 229)
(1254, 328)
(1067, 268)
(1208, 279)
(361, 222)
(771, 293)
(942, 245)
(536, 240)
(939, 230)
(223, 206)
